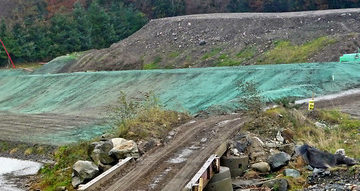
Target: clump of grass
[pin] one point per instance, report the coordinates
(174, 54)
(212, 53)
(285, 52)
(247, 53)
(146, 118)
(244, 55)
(153, 65)
(59, 174)
(28, 151)
(228, 62)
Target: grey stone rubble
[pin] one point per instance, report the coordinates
(104, 155)
(271, 155)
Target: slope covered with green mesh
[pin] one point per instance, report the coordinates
(89, 94)
(183, 89)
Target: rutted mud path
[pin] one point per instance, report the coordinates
(40, 128)
(173, 165)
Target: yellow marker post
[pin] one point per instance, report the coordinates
(311, 105)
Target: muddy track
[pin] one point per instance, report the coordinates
(39, 128)
(173, 165)
(346, 103)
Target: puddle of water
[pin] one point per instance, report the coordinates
(12, 168)
(181, 157)
(159, 178)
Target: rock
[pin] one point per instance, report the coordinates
(242, 143)
(147, 145)
(308, 167)
(172, 133)
(271, 145)
(83, 171)
(320, 159)
(203, 140)
(277, 184)
(202, 42)
(292, 173)
(279, 137)
(124, 148)
(288, 135)
(278, 160)
(320, 125)
(100, 154)
(321, 172)
(256, 150)
(340, 152)
(261, 167)
(288, 148)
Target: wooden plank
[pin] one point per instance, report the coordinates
(199, 175)
(105, 176)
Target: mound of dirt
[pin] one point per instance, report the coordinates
(203, 40)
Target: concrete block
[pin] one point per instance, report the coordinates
(223, 174)
(236, 164)
(222, 185)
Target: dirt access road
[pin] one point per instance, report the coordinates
(347, 102)
(173, 165)
(48, 129)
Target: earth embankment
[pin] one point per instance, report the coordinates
(229, 39)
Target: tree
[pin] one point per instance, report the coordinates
(82, 26)
(102, 31)
(238, 6)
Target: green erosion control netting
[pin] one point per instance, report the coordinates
(193, 90)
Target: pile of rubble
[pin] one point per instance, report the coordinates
(270, 164)
(104, 155)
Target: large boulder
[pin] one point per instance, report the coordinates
(278, 160)
(100, 154)
(83, 171)
(124, 148)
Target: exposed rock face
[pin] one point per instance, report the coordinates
(100, 154)
(83, 171)
(261, 167)
(278, 160)
(124, 148)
